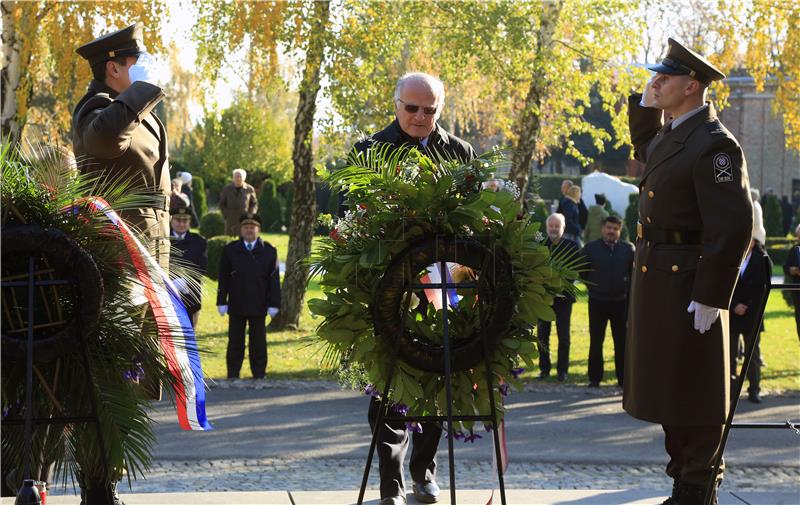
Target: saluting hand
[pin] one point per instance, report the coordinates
(147, 69)
(647, 94)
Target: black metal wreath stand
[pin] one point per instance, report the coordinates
(383, 405)
(29, 420)
(737, 389)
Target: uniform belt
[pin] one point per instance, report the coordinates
(672, 237)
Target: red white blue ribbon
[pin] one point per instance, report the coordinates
(173, 324)
(434, 295)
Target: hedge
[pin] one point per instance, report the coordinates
(215, 246)
(269, 207)
(200, 199)
(212, 224)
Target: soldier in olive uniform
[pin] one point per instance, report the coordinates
(696, 218)
(116, 134)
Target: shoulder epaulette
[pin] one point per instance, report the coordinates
(715, 127)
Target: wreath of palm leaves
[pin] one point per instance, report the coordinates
(396, 196)
(39, 183)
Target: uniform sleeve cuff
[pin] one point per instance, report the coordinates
(714, 284)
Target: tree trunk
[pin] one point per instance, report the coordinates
(528, 121)
(304, 211)
(11, 73)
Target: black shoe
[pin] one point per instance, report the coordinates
(393, 500)
(594, 384)
(427, 492)
(754, 397)
(562, 376)
(543, 375)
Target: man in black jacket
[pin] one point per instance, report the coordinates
(754, 278)
(418, 102)
(249, 289)
(190, 254)
(567, 250)
(792, 270)
(609, 262)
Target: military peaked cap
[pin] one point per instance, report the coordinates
(181, 211)
(681, 60)
(250, 219)
(125, 42)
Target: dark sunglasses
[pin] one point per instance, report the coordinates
(412, 109)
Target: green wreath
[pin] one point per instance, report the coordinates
(407, 209)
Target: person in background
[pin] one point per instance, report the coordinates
(249, 288)
(186, 177)
(570, 208)
(791, 268)
(754, 277)
(597, 216)
(609, 262)
(583, 211)
(190, 255)
(177, 198)
(560, 247)
(235, 199)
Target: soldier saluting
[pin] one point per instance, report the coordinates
(115, 133)
(116, 136)
(696, 220)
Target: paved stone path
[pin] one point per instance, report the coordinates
(341, 474)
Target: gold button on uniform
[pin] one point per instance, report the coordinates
(674, 268)
(651, 194)
(644, 268)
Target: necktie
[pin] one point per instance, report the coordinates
(249, 246)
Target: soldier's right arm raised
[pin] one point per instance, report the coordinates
(106, 125)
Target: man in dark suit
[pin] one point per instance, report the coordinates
(568, 251)
(609, 262)
(791, 268)
(116, 135)
(418, 103)
(747, 297)
(189, 258)
(695, 223)
(249, 288)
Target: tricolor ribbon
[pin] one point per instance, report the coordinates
(173, 323)
(434, 295)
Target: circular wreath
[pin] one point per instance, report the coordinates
(83, 297)
(405, 212)
(494, 294)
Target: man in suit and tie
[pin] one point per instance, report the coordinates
(754, 278)
(696, 221)
(249, 288)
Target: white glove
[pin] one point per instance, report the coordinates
(181, 285)
(222, 309)
(704, 316)
(647, 95)
(149, 70)
(273, 311)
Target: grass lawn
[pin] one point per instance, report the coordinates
(292, 355)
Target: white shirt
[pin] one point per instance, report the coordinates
(686, 115)
(424, 142)
(249, 245)
(179, 237)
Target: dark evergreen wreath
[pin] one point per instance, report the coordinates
(407, 211)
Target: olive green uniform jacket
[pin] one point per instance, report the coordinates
(695, 182)
(118, 136)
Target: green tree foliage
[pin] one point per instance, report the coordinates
(248, 135)
(212, 224)
(269, 207)
(773, 216)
